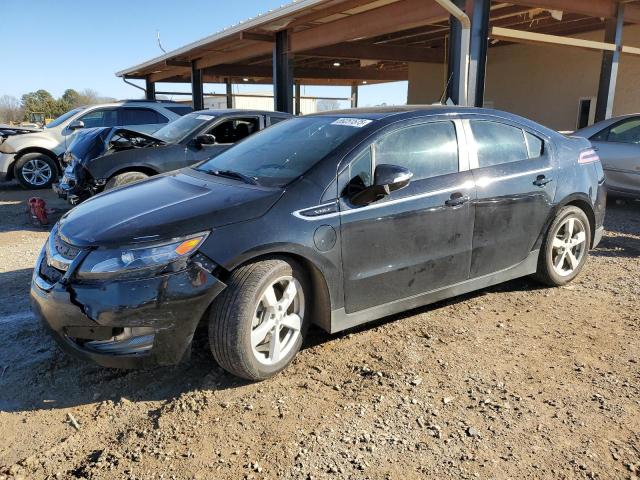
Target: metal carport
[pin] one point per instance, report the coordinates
(352, 42)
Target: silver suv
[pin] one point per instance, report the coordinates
(32, 158)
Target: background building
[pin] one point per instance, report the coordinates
(565, 63)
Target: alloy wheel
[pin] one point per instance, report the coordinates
(569, 246)
(277, 321)
(36, 172)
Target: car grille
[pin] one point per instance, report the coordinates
(50, 274)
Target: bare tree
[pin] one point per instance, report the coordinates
(10, 109)
(326, 104)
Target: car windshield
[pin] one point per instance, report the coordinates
(63, 117)
(280, 154)
(178, 129)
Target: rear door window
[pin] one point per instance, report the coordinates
(235, 129)
(427, 150)
(626, 131)
(141, 116)
(179, 110)
(100, 118)
(498, 143)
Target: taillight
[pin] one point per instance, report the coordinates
(588, 156)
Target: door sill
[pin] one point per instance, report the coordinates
(341, 320)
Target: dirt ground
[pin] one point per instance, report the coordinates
(515, 381)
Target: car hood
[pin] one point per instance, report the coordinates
(164, 207)
(91, 143)
(5, 126)
(43, 138)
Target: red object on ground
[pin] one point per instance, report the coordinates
(38, 210)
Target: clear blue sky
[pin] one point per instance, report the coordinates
(63, 44)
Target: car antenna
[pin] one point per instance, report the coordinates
(159, 43)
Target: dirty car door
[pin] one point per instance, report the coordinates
(416, 239)
(619, 150)
(515, 180)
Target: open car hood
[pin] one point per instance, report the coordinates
(91, 143)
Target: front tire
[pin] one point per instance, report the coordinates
(35, 171)
(565, 247)
(258, 322)
(124, 179)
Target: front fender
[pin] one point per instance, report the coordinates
(38, 141)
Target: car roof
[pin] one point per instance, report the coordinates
(145, 103)
(218, 112)
(376, 113)
(591, 130)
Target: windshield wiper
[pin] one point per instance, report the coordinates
(232, 174)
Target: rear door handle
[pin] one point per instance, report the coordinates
(541, 181)
(456, 199)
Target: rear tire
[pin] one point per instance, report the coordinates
(124, 179)
(35, 171)
(565, 247)
(261, 298)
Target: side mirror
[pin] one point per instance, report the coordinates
(76, 125)
(204, 139)
(386, 179)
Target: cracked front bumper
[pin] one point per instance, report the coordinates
(126, 323)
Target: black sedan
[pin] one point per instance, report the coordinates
(334, 219)
(103, 158)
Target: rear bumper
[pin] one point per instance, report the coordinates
(127, 323)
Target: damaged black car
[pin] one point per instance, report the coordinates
(100, 159)
(332, 219)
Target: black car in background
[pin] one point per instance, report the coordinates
(103, 158)
(335, 219)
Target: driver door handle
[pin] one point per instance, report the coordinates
(541, 181)
(456, 199)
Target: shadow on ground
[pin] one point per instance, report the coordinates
(35, 374)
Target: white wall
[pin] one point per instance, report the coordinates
(543, 83)
(263, 102)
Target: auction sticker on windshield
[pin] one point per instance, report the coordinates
(204, 117)
(352, 122)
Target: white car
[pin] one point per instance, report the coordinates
(32, 158)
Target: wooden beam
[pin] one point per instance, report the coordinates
(394, 17)
(632, 13)
(360, 51)
(233, 56)
(630, 50)
(521, 36)
(177, 63)
(168, 73)
(591, 8)
(249, 71)
(327, 11)
(257, 37)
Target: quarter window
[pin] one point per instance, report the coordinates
(273, 120)
(497, 143)
(142, 116)
(427, 150)
(535, 145)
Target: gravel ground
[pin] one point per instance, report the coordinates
(515, 381)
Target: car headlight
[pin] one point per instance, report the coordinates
(140, 260)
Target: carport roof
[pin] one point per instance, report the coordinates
(345, 42)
